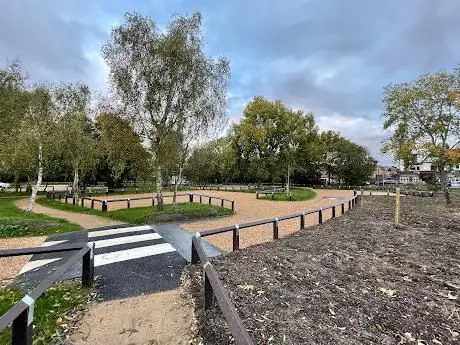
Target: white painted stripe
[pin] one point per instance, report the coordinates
(127, 239)
(131, 254)
(52, 243)
(118, 231)
(32, 265)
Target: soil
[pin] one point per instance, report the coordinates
(9, 267)
(162, 318)
(86, 221)
(356, 279)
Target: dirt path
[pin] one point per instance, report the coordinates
(161, 318)
(86, 221)
(248, 208)
(11, 266)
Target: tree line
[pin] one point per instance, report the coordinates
(275, 144)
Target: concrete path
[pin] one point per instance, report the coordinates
(86, 221)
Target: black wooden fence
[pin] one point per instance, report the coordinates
(21, 315)
(213, 287)
(192, 197)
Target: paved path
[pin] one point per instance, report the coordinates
(86, 221)
(129, 260)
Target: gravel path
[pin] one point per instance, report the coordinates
(86, 221)
(11, 266)
(248, 208)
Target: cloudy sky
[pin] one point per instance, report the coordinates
(330, 57)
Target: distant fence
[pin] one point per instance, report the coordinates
(21, 315)
(213, 287)
(105, 203)
(239, 187)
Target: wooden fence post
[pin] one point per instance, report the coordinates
(236, 237)
(210, 200)
(195, 257)
(92, 203)
(333, 211)
(302, 221)
(208, 293)
(82, 202)
(222, 203)
(23, 328)
(362, 199)
(201, 199)
(128, 203)
(349, 204)
(233, 205)
(397, 209)
(104, 206)
(320, 216)
(153, 201)
(190, 197)
(275, 228)
(87, 277)
(343, 208)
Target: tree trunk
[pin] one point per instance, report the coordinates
(160, 189)
(444, 187)
(75, 184)
(288, 189)
(178, 179)
(35, 188)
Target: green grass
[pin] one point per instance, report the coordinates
(51, 313)
(15, 222)
(297, 194)
(147, 215)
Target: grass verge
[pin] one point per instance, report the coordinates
(297, 194)
(52, 312)
(150, 215)
(15, 222)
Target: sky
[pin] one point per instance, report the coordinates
(329, 57)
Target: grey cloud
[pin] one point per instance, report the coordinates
(49, 44)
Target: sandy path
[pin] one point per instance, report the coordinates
(86, 221)
(160, 318)
(9, 267)
(248, 208)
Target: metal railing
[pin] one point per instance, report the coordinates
(21, 315)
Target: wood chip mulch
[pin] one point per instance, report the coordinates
(354, 280)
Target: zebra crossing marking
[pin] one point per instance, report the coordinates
(125, 240)
(99, 233)
(131, 254)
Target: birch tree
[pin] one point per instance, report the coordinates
(76, 142)
(425, 116)
(36, 132)
(158, 76)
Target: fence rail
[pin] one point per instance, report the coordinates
(213, 287)
(21, 315)
(105, 203)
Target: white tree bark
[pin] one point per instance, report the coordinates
(35, 188)
(178, 179)
(288, 189)
(75, 183)
(159, 180)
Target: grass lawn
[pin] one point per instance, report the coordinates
(297, 194)
(52, 311)
(15, 222)
(142, 215)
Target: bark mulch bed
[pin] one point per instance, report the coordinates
(353, 280)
